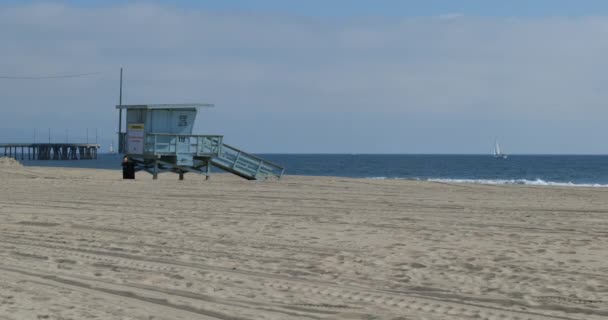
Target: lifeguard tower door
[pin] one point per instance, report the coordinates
(184, 156)
(183, 144)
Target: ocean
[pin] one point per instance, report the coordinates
(561, 170)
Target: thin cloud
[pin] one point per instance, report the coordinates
(452, 15)
(483, 72)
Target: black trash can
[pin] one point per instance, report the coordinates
(128, 169)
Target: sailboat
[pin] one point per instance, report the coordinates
(497, 153)
(111, 150)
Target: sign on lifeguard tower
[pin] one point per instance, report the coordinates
(135, 138)
(159, 139)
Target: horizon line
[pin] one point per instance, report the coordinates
(425, 154)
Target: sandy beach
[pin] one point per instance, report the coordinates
(84, 244)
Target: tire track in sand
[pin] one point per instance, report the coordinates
(332, 293)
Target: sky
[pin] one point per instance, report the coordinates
(340, 76)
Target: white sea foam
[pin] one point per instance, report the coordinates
(537, 182)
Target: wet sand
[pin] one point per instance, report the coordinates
(83, 244)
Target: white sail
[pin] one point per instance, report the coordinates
(497, 153)
(111, 148)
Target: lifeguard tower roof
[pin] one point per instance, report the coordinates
(165, 106)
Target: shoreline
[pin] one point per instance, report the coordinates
(565, 171)
(466, 182)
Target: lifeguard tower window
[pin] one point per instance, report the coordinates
(183, 120)
(159, 139)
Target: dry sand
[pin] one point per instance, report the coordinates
(84, 244)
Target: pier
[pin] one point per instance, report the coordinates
(49, 151)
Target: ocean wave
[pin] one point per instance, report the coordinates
(537, 182)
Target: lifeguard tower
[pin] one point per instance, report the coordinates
(159, 139)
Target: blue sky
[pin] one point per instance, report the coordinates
(394, 8)
(288, 76)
